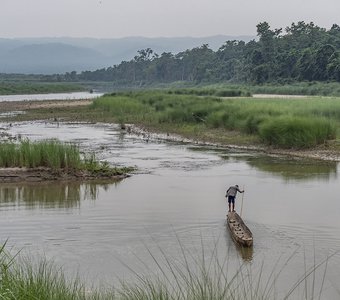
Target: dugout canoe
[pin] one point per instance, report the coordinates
(239, 231)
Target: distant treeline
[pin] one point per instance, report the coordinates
(32, 87)
(304, 52)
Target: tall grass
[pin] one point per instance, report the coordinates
(51, 154)
(22, 280)
(298, 88)
(310, 88)
(302, 123)
(15, 88)
(227, 91)
(297, 132)
(57, 156)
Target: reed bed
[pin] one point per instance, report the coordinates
(277, 122)
(21, 279)
(51, 154)
(55, 155)
(227, 91)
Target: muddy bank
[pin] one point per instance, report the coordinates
(46, 174)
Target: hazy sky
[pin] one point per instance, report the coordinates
(154, 18)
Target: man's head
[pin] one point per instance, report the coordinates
(236, 185)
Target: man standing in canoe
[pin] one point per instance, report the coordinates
(231, 194)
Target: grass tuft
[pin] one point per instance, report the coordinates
(296, 132)
(51, 154)
(55, 155)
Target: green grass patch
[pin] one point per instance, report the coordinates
(22, 279)
(51, 154)
(286, 123)
(297, 132)
(55, 155)
(308, 88)
(227, 91)
(15, 88)
(298, 88)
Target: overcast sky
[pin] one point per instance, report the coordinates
(155, 18)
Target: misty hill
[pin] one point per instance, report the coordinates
(50, 58)
(60, 55)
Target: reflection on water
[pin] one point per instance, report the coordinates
(246, 253)
(50, 195)
(295, 169)
(288, 168)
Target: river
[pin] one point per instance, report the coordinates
(176, 201)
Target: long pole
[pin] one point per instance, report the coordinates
(242, 203)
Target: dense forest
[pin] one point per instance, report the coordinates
(302, 52)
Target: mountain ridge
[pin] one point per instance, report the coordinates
(50, 55)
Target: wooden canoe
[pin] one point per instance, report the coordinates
(240, 233)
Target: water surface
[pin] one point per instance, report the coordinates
(175, 200)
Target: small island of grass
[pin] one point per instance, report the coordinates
(52, 160)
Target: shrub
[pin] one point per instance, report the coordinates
(296, 132)
(52, 154)
(252, 124)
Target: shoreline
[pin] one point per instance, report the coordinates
(316, 153)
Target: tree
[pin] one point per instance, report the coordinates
(306, 65)
(322, 59)
(333, 67)
(304, 52)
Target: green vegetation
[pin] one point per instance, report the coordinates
(301, 59)
(17, 88)
(185, 278)
(285, 123)
(222, 91)
(312, 88)
(23, 280)
(55, 155)
(296, 132)
(50, 154)
(302, 52)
